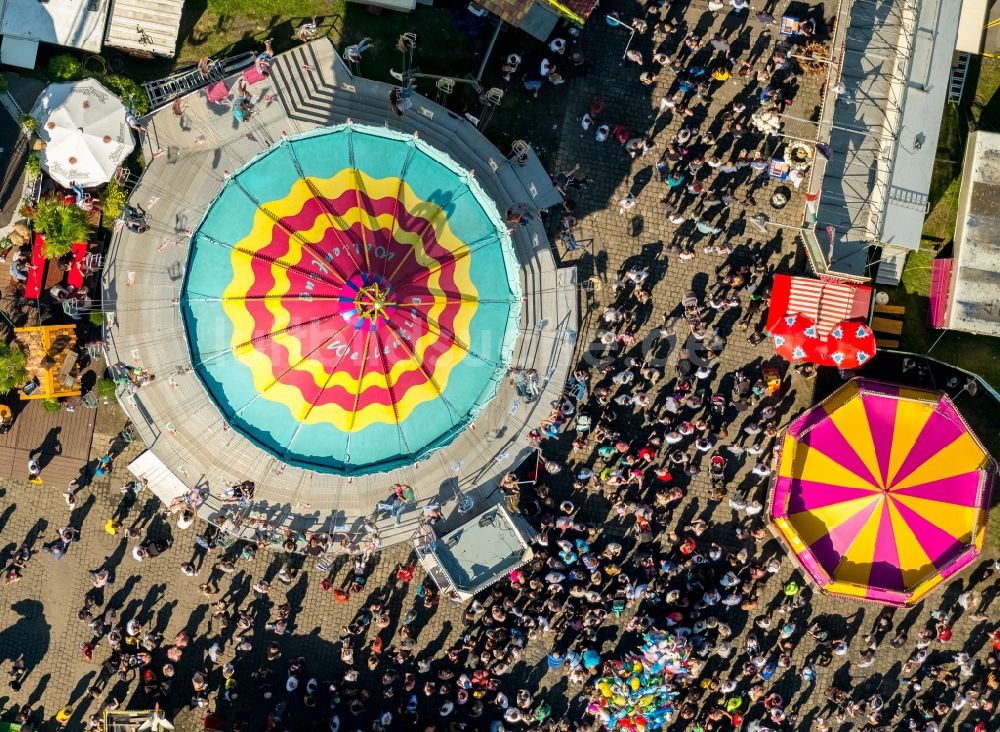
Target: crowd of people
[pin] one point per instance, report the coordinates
(646, 418)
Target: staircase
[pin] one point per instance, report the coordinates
(956, 84)
(307, 87)
(890, 267)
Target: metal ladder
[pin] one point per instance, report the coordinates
(956, 83)
(164, 90)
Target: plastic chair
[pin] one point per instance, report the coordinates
(93, 262)
(95, 349)
(218, 93)
(128, 433)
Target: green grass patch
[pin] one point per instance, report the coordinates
(227, 27)
(978, 354)
(980, 109)
(939, 226)
(985, 104)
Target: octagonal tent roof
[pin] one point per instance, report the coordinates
(881, 492)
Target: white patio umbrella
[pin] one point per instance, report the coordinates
(84, 130)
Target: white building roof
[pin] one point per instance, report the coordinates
(147, 26)
(970, 26)
(897, 61)
(974, 300)
(72, 23)
(907, 202)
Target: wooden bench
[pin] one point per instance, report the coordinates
(65, 377)
(887, 325)
(887, 343)
(890, 309)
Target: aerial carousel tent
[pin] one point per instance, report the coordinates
(352, 300)
(881, 492)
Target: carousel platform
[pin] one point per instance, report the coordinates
(190, 441)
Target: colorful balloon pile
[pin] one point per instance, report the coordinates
(638, 695)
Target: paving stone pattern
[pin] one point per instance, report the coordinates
(39, 611)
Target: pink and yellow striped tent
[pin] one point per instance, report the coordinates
(882, 492)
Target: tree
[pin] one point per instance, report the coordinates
(62, 225)
(13, 369)
(113, 199)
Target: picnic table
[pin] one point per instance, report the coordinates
(75, 276)
(36, 276)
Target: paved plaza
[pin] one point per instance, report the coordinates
(39, 615)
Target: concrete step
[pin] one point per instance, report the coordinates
(890, 268)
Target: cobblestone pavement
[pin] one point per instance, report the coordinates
(39, 612)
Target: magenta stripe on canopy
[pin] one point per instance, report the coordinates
(807, 495)
(960, 490)
(812, 417)
(962, 560)
(830, 548)
(885, 564)
(881, 414)
(939, 545)
(782, 487)
(939, 431)
(827, 439)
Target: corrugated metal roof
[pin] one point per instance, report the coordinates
(516, 11)
(974, 300)
(147, 26)
(69, 23)
(886, 126)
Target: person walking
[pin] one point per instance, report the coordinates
(35, 468)
(63, 715)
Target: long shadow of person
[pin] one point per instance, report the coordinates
(114, 560)
(30, 635)
(5, 516)
(121, 595)
(78, 691)
(147, 513)
(296, 596)
(435, 645)
(80, 513)
(51, 447)
(163, 617)
(39, 690)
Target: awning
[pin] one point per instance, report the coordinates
(162, 482)
(940, 291)
(827, 303)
